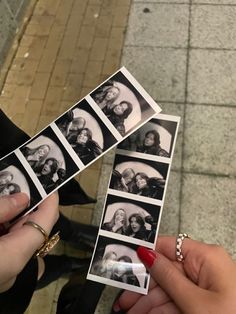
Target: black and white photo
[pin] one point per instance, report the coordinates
(156, 137)
(118, 261)
(85, 132)
(137, 176)
(49, 160)
(122, 103)
(131, 218)
(14, 178)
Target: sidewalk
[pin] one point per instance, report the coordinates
(184, 54)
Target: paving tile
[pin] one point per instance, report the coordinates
(39, 87)
(98, 49)
(170, 215)
(112, 61)
(86, 177)
(27, 69)
(60, 72)
(213, 26)
(103, 26)
(92, 75)
(106, 301)
(209, 138)
(120, 15)
(101, 192)
(46, 7)
(176, 110)
(162, 25)
(33, 109)
(52, 100)
(63, 12)
(79, 60)
(91, 14)
(48, 59)
(72, 88)
(212, 78)
(86, 36)
(208, 209)
(161, 71)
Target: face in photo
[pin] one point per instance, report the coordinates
(121, 102)
(85, 132)
(155, 137)
(49, 160)
(145, 178)
(118, 261)
(15, 179)
(131, 218)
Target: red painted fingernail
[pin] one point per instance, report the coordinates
(116, 306)
(147, 256)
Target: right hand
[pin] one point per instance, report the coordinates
(21, 242)
(119, 223)
(205, 283)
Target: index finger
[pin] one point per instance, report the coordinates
(12, 205)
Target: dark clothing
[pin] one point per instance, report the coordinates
(64, 121)
(116, 120)
(47, 183)
(17, 298)
(141, 234)
(153, 150)
(130, 279)
(154, 188)
(88, 152)
(117, 184)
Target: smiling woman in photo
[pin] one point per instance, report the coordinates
(8, 189)
(118, 222)
(145, 186)
(151, 145)
(118, 113)
(106, 95)
(136, 228)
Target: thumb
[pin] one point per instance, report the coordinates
(181, 290)
(12, 205)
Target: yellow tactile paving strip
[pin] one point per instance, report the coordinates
(67, 48)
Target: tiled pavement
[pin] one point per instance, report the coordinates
(184, 53)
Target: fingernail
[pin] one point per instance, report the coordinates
(117, 309)
(147, 256)
(19, 200)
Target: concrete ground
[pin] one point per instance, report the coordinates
(184, 54)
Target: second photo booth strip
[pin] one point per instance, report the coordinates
(134, 203)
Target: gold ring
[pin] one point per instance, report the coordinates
(48, 243)
(179, 243)
(38, 227)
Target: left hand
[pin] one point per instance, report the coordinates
(18, 246)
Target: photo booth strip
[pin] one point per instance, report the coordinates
(57, 153)
(147, 153)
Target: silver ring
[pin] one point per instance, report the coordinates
(179, 243)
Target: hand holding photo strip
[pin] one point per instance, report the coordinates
(76, 139)
(134, 203)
